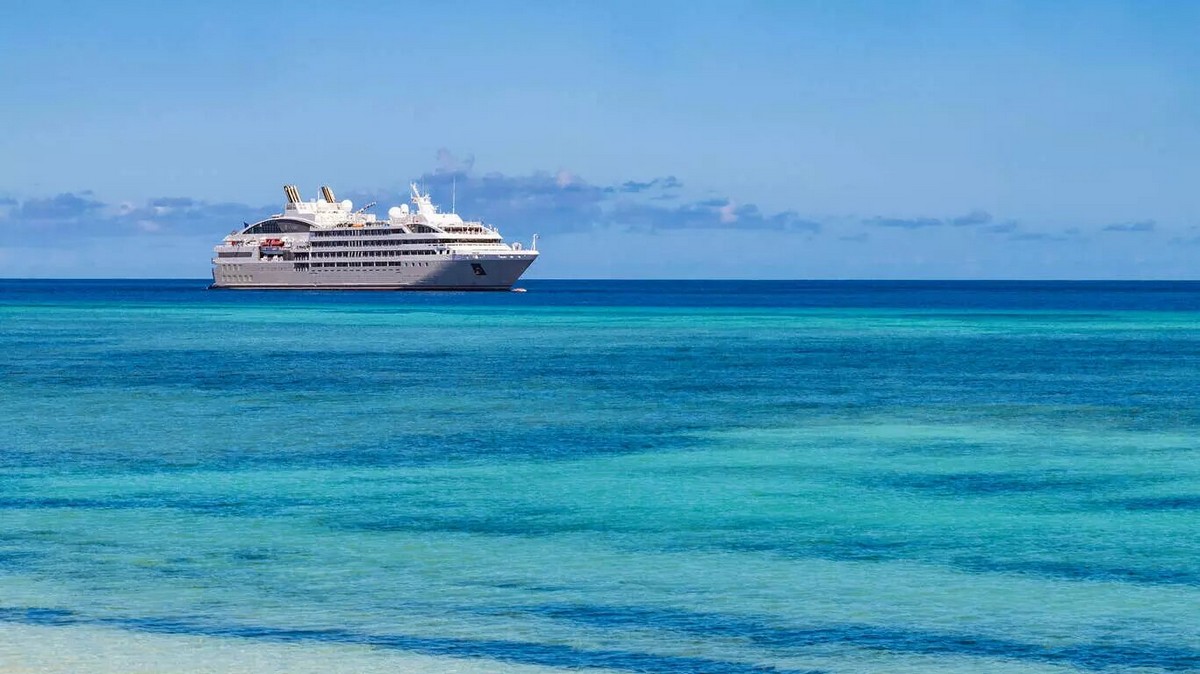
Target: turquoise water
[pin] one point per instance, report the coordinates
(642, 476)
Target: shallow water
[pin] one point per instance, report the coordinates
(639, 476)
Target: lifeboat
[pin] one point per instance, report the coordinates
(271, 247)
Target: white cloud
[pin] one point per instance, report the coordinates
(728, 213)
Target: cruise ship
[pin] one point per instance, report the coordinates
(327, 244)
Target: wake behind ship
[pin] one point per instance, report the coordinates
(324, 244)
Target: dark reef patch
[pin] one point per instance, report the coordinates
(1094, 656)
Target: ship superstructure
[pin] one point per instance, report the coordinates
(324, 243)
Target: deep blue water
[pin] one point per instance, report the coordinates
(722, 476)
(920, 295)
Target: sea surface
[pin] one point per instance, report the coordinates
(726, 477)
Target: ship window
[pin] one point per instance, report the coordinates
(277, 227)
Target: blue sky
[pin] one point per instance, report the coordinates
(640, 139)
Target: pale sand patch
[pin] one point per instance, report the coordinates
(74, 649)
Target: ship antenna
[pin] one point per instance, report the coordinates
(454, 194)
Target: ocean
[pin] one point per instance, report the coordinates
(607, 476)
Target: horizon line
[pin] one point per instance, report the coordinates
(202, 279)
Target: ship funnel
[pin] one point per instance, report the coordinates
(328, 194)
(293, 194)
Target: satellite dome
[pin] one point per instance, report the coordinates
(347, 205)
(395, 212)
(403, 209)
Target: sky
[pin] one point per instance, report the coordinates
(658, 139)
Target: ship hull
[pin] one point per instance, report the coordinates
(438, 274)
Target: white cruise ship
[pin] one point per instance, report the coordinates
(324, 243)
